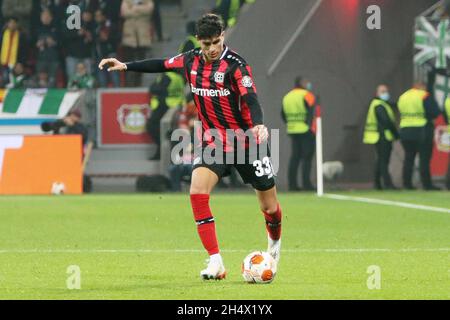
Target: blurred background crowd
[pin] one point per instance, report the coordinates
(38, 50)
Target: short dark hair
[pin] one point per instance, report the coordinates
(209, 26)
(75, 112)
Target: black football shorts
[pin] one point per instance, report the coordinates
(256, 170)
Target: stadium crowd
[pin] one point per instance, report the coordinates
(38, 50)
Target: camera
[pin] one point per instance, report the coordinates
(54, 126)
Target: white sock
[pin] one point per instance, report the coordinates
(216, 258)
(272, 242)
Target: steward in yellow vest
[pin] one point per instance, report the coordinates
(447, 113)
(191, 41)
(298, 113)
(166, 92)
(418, 109)
(380, 130)
(229, 10)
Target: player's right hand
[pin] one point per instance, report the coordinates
(113, 64)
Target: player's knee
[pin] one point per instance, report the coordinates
(198, 190)
(269, 208)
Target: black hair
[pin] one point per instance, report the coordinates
(209, 26)
(298, 81)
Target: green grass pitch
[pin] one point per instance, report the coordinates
(147, 247)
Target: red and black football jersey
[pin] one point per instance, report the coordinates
(218, 88)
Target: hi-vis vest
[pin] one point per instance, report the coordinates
(232, 11)
(192, 39)
(447, 111)
(412, 109)
(371, 133)
(295, 110)
(175, 92)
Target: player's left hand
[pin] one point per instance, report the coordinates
(261, 133)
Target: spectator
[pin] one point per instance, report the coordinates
(47, 45)
(156, 18)
(79, 44)
(182, 164)
(21, 9)
(38, 7)
(41, 80)
(81, 79)
(105, 47)
(136, 38)
(167, 91)
(13, 48)
(111, 9)
(17, 77)
(2, 17)
(191, 41)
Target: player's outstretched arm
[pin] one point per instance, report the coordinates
(145, 66)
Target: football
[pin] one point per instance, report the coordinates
(58, 188)
(259, 267)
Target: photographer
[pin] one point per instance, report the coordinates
(71, 124)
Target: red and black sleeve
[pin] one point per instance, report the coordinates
(243, 79)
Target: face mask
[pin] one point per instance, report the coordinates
(309, 86)
(385, 96)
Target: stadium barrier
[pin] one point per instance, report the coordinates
(32, 165)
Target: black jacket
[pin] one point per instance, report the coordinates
(384, 121)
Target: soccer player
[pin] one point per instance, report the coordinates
(225, 97)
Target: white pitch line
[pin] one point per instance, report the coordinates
(387, 203)
(319, 250)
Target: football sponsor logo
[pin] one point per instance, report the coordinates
(219, 77)
(247, 82)
(211, 92)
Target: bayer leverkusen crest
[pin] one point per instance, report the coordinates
(133, 117)
(442, 139)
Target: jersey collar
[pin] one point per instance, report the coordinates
(225, 50)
